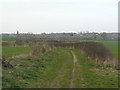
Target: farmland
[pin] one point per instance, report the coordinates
(8, 39)
(53, 68)
(13, 51)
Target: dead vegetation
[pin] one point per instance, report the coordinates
(38, 48)
(5, 63)
(98, 53)
(6, 43)
(106, 71)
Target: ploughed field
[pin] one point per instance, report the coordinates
(54, 69)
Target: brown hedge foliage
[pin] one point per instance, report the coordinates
(38, 49)
(6, 43)
(5, 63)
(96, 52)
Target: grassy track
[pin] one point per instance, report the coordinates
(13, 51)
(90, 76)
(54, 69)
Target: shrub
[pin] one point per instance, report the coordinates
(39, 49)
(19, 42)
(6, 43)
(5, 63)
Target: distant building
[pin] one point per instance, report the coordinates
(17, 34)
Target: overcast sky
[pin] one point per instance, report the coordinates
(39, 16)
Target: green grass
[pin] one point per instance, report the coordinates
(8, 39)
(54, 69)
(86, 78)
(13, 51)
(58, 74)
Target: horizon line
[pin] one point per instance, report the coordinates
(54, 32)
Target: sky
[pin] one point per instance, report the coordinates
(56, 16)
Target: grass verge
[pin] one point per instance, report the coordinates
(52, 70)
(90, 75)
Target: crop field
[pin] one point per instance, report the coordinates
(8, 39)
(13, 51)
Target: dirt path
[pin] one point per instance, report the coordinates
(73, 74)
(21, 55)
